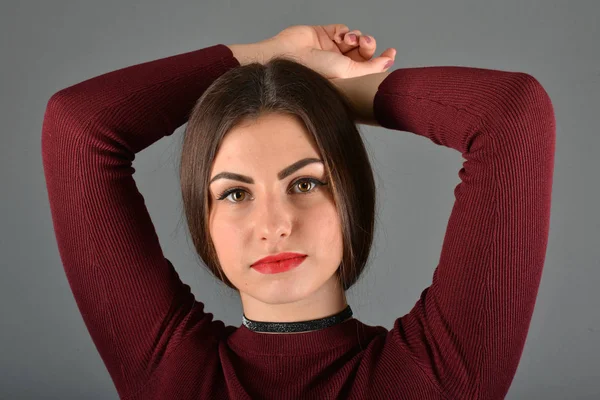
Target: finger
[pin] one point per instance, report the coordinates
(366, 46)
(349, 41)
(364, 51)
(336, 31)
(390, 52)
(351, 37)
(372, 66)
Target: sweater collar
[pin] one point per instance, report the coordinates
(345, 334)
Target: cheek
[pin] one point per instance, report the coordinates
(326, 230)
(228, 237)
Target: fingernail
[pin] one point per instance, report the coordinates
(368, 39)
(352, 37)
(388, 64)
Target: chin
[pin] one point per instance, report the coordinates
(279, 292)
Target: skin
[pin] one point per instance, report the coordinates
(270, 219)
(332, 50)
(272, 216)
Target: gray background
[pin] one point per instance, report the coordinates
(45, 349)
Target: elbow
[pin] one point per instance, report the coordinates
(525, 112)
(53, 121)
(61, 129)
(64, 117)
(534, 101)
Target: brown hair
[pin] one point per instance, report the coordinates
(282, 86)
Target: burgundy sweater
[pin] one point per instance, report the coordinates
(462, 339)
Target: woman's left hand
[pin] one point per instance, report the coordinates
(330, 50)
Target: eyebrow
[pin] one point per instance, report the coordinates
(284, 173)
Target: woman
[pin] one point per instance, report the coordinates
(273, 163)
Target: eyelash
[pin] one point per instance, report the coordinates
(317, 183)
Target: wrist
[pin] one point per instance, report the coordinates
(361, 92)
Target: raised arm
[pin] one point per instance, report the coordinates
(468, 329)
(131, 298)
(132, 301)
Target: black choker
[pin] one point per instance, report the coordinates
(300, 326)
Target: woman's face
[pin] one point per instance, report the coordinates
(273, 215)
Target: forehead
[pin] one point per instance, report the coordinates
(271, 140)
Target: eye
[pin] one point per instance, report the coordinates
(304, 185)
(236, 198)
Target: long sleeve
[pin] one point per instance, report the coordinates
(468, 328)
(132, 301)
(465, 334)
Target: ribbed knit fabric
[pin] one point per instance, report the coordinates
(462, 339)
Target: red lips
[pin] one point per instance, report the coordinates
(278, 257)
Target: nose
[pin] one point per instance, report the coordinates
(274, 219)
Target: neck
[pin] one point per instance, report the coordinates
(327, 300)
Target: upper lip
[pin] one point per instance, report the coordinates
(278, 257)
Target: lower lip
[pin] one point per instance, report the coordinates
(279, 266)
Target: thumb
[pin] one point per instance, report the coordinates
(372, 66)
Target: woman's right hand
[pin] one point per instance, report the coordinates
(327, 49)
